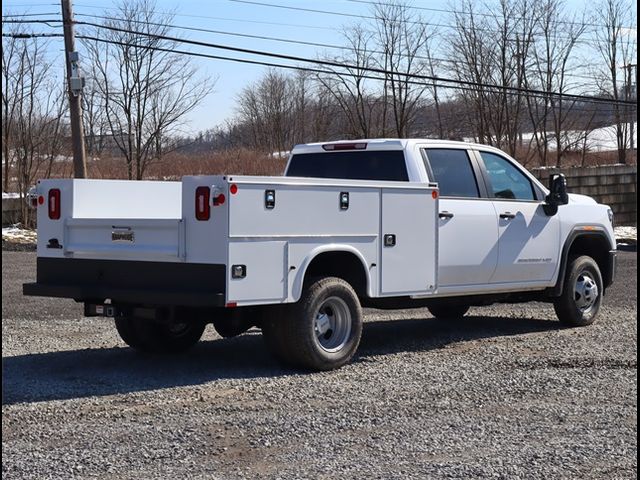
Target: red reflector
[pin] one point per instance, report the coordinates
(231, 304)
(219, 200)
(54, 204)
(344, 146)
(233, 189)
(40, 200)
(434, 194)
(203, 210)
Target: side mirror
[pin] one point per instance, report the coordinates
(558, 194)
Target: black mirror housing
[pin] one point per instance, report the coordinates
(558, 194)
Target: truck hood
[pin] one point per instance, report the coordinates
(581, 199)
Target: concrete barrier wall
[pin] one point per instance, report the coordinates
(10, 211)
(613, 185)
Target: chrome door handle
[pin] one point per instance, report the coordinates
(508, 215)
(445, 215)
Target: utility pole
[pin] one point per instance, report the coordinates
(74, 84)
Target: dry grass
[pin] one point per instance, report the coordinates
(175, 165)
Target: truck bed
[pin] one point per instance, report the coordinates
(149, 242)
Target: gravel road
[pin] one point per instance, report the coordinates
(502, 393)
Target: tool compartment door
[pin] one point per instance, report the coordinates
(408, 241)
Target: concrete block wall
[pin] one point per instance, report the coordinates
(614, 185)
(10, 211)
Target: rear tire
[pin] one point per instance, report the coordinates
(448, 310)
(127, 331)
(581, 297)
(320, 332)
(155, 337)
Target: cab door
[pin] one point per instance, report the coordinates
(467, 220)
(529, 240)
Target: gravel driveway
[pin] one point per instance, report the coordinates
(502, 393)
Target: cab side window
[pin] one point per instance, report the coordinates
(507, 181)
(452, 170)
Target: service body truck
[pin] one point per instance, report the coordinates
(376, 223)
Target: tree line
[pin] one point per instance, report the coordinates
(139, 91)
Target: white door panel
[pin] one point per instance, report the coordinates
(468, 252)
(409, 266)
(529, 243)
(265, 266)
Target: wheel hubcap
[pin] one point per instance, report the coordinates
(585, 292)
(332, 324)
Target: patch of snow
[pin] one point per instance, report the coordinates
(283, 154)
(10, 195)
(17, 234)
(598, 140)
(626, 235)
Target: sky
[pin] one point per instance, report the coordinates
(253, 19)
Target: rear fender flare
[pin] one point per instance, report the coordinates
(298, 282)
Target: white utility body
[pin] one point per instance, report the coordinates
(382, 223)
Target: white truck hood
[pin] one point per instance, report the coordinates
(581, 199)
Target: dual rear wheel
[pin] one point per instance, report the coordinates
(158, 337)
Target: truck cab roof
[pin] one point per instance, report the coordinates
(385, 144)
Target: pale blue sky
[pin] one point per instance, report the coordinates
(230, 16)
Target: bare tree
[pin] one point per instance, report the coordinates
(402, 37)
(95, 122)
(32, 115)
(145, 87)
(553, 55)
(268, 107)
(13, 64)
(349, 87)
(617, 49)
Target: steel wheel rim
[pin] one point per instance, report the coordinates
(585, 292)
(332, 324)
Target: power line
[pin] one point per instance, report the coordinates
(30, 15)
(329, 63)
(260, 37)
(302, 68)
(481, 14)
(305, 69)
(369, 17)
(243, 20)
(277, 39)
(31, 35)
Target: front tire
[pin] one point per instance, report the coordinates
(320, 332)
(156, 337)
(581, 297)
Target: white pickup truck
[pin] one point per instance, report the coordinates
(373, 223)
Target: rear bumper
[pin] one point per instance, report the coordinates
(131, 282)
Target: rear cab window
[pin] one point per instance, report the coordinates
(453, 171)
(386, 165)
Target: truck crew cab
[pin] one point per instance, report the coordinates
(374, 223)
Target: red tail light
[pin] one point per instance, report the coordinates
(203, 209)
(54, 204)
